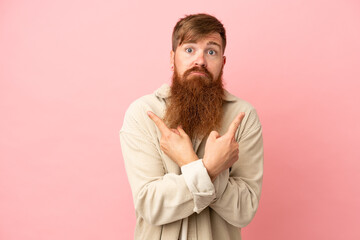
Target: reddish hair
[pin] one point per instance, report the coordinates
(196, 26)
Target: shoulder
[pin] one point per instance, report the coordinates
(234, 103)
(136, 114)
(142, 103)
(250, 122)
(150, 102)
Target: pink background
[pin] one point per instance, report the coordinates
(69, 70)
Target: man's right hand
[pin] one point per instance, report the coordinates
(221, 152)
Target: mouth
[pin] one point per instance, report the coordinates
(198, 73)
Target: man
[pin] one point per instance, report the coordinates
(193, 152)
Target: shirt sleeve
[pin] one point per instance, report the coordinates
(159, 197)
(199, 183)
(240, 199)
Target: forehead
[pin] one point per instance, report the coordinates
(212, 38)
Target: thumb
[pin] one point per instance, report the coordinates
(175, 131)
(214, 135)
(181, 131)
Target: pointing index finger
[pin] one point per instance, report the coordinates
(235, 124)
(159, 123)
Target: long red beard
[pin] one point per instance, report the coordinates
(195, 103)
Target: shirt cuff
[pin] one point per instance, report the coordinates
(220, 183)
(199, 183)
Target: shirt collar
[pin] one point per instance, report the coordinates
(164, 92)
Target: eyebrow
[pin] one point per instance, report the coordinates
(214, 43)
(209, 43)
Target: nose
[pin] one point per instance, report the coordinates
(200, 60)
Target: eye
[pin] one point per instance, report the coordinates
(188, 50)
(211, 52)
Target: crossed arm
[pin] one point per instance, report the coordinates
(161, 197)
(220, 151)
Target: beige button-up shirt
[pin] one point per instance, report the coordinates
(172, 202)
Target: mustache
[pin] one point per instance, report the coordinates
(200, 70)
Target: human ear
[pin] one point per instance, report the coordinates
(172, 59)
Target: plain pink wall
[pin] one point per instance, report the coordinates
(69, 70)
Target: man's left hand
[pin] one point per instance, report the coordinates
(174, 142)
